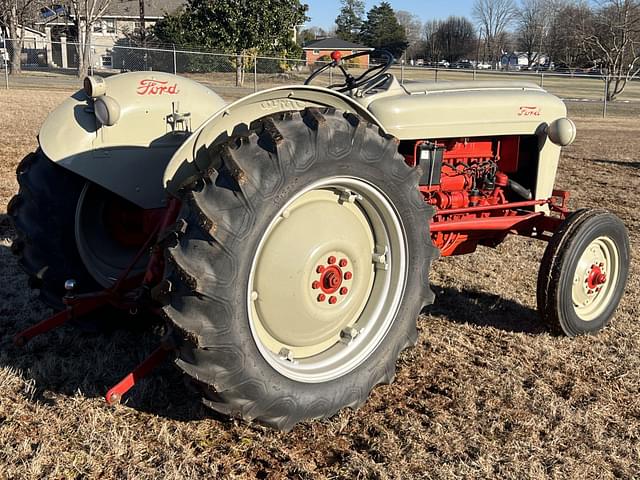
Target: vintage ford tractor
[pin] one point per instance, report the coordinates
(286, 238)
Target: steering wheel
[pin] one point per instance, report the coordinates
(351, 82)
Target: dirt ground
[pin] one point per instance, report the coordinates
(487, 392)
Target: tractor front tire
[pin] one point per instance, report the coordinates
(583, 273)
(301, 269)
(43, 214)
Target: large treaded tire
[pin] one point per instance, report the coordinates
(224, 217)
(43, 214)
(559, 271)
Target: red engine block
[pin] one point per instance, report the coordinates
(472, 175)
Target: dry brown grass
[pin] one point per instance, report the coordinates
(486, 393)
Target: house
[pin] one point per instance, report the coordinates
(520, 60)
(121, 18)
(322, 49)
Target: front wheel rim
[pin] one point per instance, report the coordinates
(595, 279)
(327, 279)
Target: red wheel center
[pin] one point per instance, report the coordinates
(331, 279)
(596, 277)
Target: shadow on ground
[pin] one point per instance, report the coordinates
(69, 361)
(618, 163)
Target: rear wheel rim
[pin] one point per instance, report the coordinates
(327, 280)
(104, 257)
(595, 279)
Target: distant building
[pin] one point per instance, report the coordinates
(322, 49)
(122, 17)
(520, 60)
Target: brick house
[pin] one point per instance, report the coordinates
(322, 49)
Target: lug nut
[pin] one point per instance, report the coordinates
(344, 291)
(333, 300)
(320, 269)
(343, 262)
(348, 276)
(322, 297)
(315, 285)
(331, 260)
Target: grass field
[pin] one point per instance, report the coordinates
(486, 393)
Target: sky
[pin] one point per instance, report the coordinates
(324, 12)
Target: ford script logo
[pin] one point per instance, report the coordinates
(148, 86)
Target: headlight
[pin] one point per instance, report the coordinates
(107, 110)
(562, 132)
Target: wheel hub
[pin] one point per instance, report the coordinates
(333, 282)
(326, 279)
(592, 285)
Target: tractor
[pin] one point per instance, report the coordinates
(285, 239)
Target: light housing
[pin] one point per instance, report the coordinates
(94, 86)
(106, 110)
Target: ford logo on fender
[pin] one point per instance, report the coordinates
(148, 86)
(526, 111)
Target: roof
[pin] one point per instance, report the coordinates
(334, 44)
(152, 8)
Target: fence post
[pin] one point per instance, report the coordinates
(541, 79)
(255, 74)
(436, 79)
(175, 65)
(606, 95)
(402, 70)
(5, 56)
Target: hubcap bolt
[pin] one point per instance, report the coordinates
(344, 291)
(315, 285)
(331, 260)
(343, 262)
(322, 297)
(348, 276)
(333, 300)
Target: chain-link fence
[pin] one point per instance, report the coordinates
(44, 64)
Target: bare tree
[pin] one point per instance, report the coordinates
(569, 24)
(493, 18)
(85, 14)
(612, 40)
(413, 29)
(531, 31)
(431, 44)
(456, 38)
(15, 15)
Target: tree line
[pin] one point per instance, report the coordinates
(602, 35)
(599, 34)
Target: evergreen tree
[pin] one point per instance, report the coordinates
(382, 30)
(349, 21)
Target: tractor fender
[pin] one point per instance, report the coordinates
(192, 157)
(129, 156)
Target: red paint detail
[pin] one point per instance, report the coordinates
(127, 383)
(343, 262)
(331, 260)
(348, 276)
(322, 297)
(596, 277)
(509, 153)
(336, 56)
(471, 224)
(315, 285)
(149, 86)
(333, 300)
(331, 279)
(529, 111)
(320, 269)
(344, 291)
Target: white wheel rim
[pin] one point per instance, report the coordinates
(595, 279)
(311, 326)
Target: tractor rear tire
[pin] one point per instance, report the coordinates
(583, 273)
(43, 214)
(301, 268)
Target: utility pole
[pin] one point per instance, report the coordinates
(143, 33)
